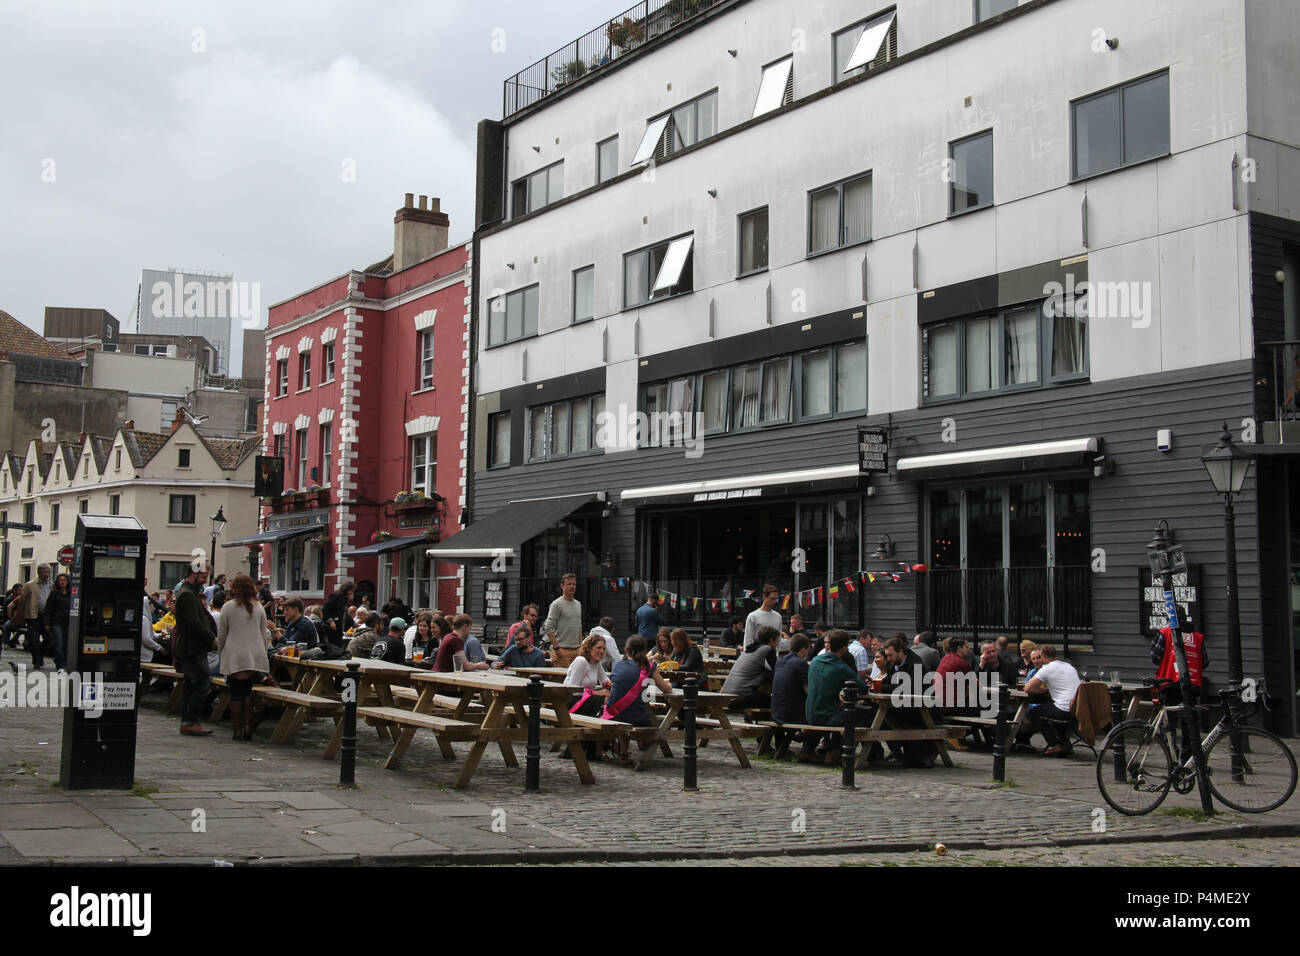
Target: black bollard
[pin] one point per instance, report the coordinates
(1116, 716)
(690, 695)
(1000, 733)
(532, 772)
(348, 758)
(849, 743)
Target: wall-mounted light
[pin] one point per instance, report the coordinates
(732, 52)
(884, 548)
(713, 193)
(510, 265)
(537, 149)
(1112, 42)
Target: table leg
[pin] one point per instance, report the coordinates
(492, 720)
(404, 738)
(732, 737)
(579, 755)
(661, 736)
(927, 720)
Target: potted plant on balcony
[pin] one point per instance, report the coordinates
(378, 536)
(626, 33)
(568, 72)
(407, 500)
(316, 495)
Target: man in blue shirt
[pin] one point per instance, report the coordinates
(521, 653)
(649, 620)
(790, 692)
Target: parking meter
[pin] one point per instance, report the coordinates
(107, 583)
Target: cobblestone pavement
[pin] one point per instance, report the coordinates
(200, 799)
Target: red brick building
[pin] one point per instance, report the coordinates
(367, 403)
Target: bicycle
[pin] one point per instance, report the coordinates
(1248, 769)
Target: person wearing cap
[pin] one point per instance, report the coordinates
(391, 648)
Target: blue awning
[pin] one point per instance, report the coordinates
(381, 547)
(267, 537)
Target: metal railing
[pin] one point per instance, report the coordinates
(1017, 602)
(1278, 389)
(624, 33)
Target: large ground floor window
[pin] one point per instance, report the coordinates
(408, 576)
(298, 566)
(1009, 555)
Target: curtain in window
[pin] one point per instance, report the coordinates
(681, 404)
(744, 401)
(942, 357)
(982, 355)
(776, 392)
(816, 368)
(825, 220)
(597, 420)
(857, 210)
(1022, 347)
(501, 439)
(713, 401)
(851, 378)
(635, 282)
(537, 434)
(581, 426)
(560, 429)
(1069, 344)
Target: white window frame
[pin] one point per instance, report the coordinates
(304, 370)
(424, 475)
(326, 450)
(327, 362)
(303, 447)
(875, 37)
(426, 358)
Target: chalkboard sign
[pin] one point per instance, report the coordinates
(1187, 597)
(873, 451)
(494, 598)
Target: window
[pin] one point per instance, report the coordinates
(972, 173)
(168, 415)
(538, 189)
(512, 316)
(499, 440)
(180, 509)
(562, 428)
(777, 86)
(753, 241)
(304, 371)
(326, 450)
(160, 350)
(870, 43)
(424, 463)
(182, 458)
(142, 350)
(172, 573)
(606, 159)
(679, 128)
(988, 9)
(278, 446)
(584, 294)
(302, 459)
(327, 362)
(114, 504)
(1122, 126)
(29, 513)
(839, 215)
(117, 466)
(426, 358)
(108, 347)
(282, 377)
(54, 517)
(760, 394)
(659, 271)
(83, 506)
(1002, 352)
(851, 378)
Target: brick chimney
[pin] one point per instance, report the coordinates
(179, 420)
(418, 233)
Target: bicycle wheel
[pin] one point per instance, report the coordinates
(1266, 774)
(1137, 782)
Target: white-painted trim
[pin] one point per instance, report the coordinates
(279, 428)
(425, 319)
(1076, 446)
(329, 335)
(326, 415)
(304, 344)
(422, 425)
(744, 481)
(301, 422)
(282, 353)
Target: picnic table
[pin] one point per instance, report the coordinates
(1134, 696)
(885, 729)
(711, 722)
(554, 675)
(504, 696)
(376, 679)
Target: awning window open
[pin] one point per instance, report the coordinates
(503, 533)
(653, 131)
(670, 273)
(868, 47)
(771, 92)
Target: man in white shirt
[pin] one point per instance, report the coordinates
(862, 652)
(765, 616)
(612, 655)
(1060, 681)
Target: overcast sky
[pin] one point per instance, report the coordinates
(216, 136)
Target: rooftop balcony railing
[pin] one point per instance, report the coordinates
(603, 45)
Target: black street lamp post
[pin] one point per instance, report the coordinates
(218, 525)
(1228, 465)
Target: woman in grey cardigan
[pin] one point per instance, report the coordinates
(241, 641)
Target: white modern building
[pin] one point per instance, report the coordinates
(1040, 249)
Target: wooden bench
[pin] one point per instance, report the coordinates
(445, 730)
(151, 672)
(297, 708)
(440, 701)
(862, 735)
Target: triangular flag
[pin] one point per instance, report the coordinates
(896, 577)
(871, 577)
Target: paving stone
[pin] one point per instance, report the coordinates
(78, 844)
(46, 816)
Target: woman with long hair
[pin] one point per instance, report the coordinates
(58, 611)
(587, 674)
(629, 679)
(663, 649)
(241, 642)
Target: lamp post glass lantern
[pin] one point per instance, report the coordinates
(218, 525)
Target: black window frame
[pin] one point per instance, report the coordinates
(187, 505)
(888, 47)
(839, 187)
(1045, 332)
(602, 175)
(547, 409)
(527, 182)
(1121, 89)
(976, 11)
(494, 421)
(504, 298)
(688, 272)
(741, 272)
(575, 319)
(787, 94)
(952, 186)
(667, 145)
(183, 458)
